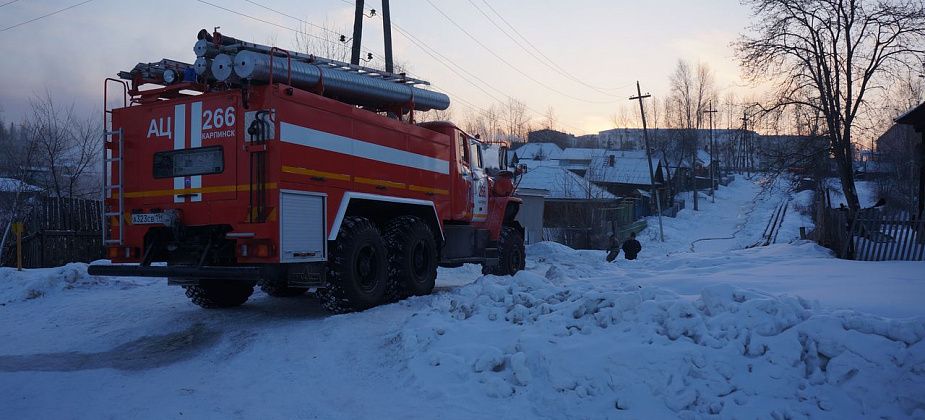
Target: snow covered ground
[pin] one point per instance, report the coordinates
(698, 327)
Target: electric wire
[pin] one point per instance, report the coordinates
(43, 16)
(452, 66)
(430, 51)
(294, 18)
(508, 63)
(8, 3)
(547, 62)
(271, 23)
(540, 52)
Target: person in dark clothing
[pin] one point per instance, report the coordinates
(631, 247)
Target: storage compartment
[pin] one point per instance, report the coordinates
(302, 227)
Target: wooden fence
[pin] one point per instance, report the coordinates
(59, 231)
(869, 235)
(887, 237)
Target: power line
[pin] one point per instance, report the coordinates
(508, 63)
(427, 49)
(453, 67)
(8, 3)
(553, 63)
(294, 18)
(552, 67)
(270, 23)
(43, 16)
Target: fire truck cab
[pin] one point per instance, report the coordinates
(222, 188)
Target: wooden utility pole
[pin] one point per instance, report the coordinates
(357, 33)
(745, 158)
(645, 136)
(712, 111)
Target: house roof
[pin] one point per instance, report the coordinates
(15, 185)
(533, 163)
(704, 157)
(580, 153)
(562, 184)
(533, 150)
(626, 170)
(914, 117)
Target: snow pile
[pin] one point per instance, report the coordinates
(17, 286)
(571, 349)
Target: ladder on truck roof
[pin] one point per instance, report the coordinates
(113, 147)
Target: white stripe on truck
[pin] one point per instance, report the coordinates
(195, 140)
(179, 142)
(304, 136)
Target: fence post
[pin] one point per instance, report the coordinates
(17, 229)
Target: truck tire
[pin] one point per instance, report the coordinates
(511, 253)
(412, 257)
(357, 269)
(276, 289)
(212, 295)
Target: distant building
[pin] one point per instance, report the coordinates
(546, 135)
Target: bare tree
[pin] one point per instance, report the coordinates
(550, 120)
(692, 89)
(829, 55)
(485, 123)
(516, 120)
(436, 115)
(65, 147)
(325, 42)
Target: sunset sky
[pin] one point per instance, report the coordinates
(607, 44)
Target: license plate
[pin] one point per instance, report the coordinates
(150, 219)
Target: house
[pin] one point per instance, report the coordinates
(623, 173)
(537, 151)
(530, 215)
(574, 209)
(578, 159)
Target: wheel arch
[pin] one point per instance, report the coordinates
(380, 209)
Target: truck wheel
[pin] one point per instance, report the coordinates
(357, 270)
(412, 256)
(212, 295)
(511, 253)
(280, 290)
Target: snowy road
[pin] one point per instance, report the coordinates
(783, 331)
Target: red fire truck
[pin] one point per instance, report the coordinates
(223, 185)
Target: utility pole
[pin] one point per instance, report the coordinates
(694, 153)
(645, 136)
(712, 111)
(357, 33)
(387, 35)
(745, 159)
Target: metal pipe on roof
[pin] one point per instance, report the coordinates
(350, 87)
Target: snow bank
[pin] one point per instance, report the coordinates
(570, 349)
(17, 286)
